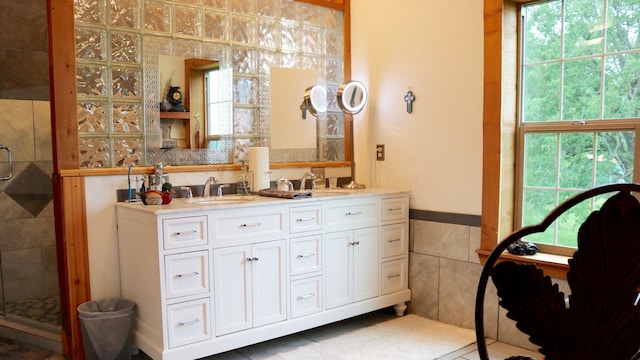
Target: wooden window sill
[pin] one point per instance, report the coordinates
(555, 266)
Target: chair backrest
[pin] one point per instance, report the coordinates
(600, 319)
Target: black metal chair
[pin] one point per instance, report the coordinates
(600, 319)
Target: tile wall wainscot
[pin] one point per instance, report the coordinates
(444, 271)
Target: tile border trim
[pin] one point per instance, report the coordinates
(444, 217)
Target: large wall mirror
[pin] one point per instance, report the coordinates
(244, 42)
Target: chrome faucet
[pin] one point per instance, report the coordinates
(189, 192)
(303, 180)
(207, 186)
(220, 187)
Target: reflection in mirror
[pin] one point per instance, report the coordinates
(187, 152)
(206, 101)
(235, 115)
(289, 128)
(352, 97)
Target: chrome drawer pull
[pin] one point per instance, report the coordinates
(185, 233)
(189, 323)
(355, 243)
(306, 296)
(305, 219)
(394, 209)
(187, 274)
(393, 240)
(308, 255)
(393, 276)
(349, 213)
(256, 224)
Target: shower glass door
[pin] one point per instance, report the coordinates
(28, 262)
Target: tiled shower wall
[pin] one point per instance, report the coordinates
(444, 271)
(27, 237)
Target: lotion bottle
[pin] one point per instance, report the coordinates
(245, 180)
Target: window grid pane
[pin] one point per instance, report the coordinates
(580, 82)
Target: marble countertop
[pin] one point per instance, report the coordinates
(179, 205)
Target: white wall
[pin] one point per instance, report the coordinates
(434, 47)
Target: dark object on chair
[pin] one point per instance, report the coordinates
(601, 317)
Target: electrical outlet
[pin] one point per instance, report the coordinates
(380, 152)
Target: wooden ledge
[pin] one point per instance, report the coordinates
(555, 266)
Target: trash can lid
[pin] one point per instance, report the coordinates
(105, 308)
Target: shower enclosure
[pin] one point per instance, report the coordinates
(29, 290)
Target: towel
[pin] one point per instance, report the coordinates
(284, 194)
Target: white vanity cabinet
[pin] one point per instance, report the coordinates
(208, 279)
(249, 284)
(353, 266)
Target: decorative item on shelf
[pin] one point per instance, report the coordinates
(409, 99)
(175, 98)
(164, 104)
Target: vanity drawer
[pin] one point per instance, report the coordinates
(347, 214)
(394, 276)
(232, 227)
(395, 208)
(305, 218)
(187, 274)
(188, 322)
(305, 254)
(184, 232)
(306, 296)
(395, 239)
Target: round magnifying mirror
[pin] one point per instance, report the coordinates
(315, 99)
(352, 96)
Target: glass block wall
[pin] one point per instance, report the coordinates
(116, 119)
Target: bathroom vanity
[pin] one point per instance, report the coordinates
(208, 277)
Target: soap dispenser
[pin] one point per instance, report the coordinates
(245, 180)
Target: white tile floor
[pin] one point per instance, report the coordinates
(497, 350)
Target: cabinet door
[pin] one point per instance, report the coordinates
(338, 268)
(268, 274)
(232, 289)
(366, 260)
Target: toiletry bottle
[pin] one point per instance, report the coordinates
(243, 186)
(156, 182)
